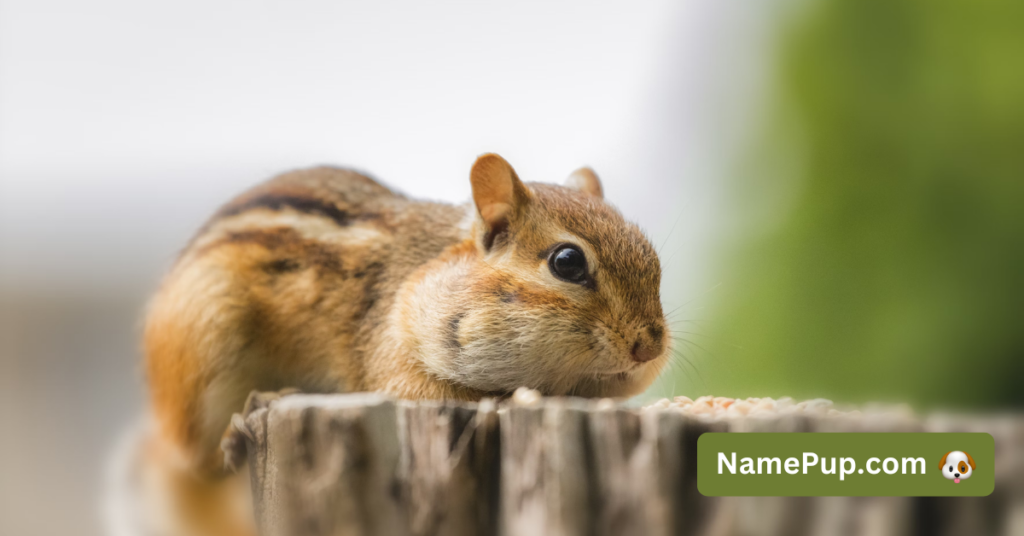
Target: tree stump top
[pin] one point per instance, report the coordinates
(368, 464)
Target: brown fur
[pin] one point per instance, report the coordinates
(326, 281)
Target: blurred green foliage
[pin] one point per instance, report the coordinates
(882, 213)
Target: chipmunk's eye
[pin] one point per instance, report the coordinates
(568, 263)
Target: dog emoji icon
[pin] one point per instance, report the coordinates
(957, 465)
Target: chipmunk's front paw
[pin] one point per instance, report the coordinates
(233, 443)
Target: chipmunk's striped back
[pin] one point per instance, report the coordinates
(283, 278)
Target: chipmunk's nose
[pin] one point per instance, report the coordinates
(648, 344)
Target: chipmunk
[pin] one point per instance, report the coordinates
(327, 281)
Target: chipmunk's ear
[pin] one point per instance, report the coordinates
(498, 193)
(585, 180)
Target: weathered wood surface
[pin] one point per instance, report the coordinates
(364, 464)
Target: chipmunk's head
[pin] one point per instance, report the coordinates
(561, 294)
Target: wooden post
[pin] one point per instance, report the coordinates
(449, 468)
(326, 465)
(363, 464)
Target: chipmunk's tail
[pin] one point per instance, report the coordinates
(150, 492)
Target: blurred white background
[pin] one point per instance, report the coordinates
(124, 124)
